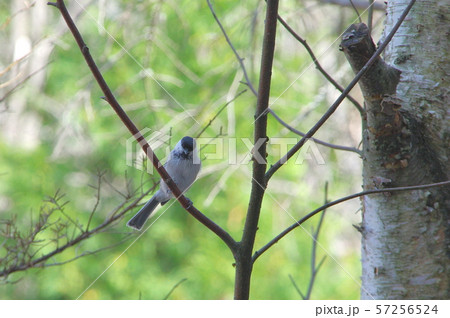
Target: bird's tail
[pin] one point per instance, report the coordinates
(137, 221)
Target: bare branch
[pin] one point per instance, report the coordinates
(109, 97)
(314, 268)
(174, 287)
(19, 259)
(218, 113)
(241, 60)
(318, 66)
(97, 198)
(296, 287)
(320, 142)
(339, 100)
(243, 261)
(19, 84)
(26, 7)
(370, 16)
(326, 206)
(360, 4)
(87, 253)
(356, 10)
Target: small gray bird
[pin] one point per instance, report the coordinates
(183, 166)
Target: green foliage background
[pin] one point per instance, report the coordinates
(181, 46)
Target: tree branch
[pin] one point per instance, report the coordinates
(218, 112)
(244, 262)
(109, 97)
(370, 16)
(356, 10)
(327, 76)
(339, 100)
(314, 269)
(326, 206)
(360, 4)
(241, 60)
(320, 142)
(43, 223)
(315, 238)
(318, 66)
(296, 287)
(174, 287)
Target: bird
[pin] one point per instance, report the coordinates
(183, 166)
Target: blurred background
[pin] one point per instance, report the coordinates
(172, 70)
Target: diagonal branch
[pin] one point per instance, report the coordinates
(109, 97)
(339, 100)
(318, 66)
(330, 204)
(320, 142)
(241, 60)
(370, 16)
(41, 261)
(296, 287)
(218, 112)
(361, 4)
(249, 84)
(315, 268)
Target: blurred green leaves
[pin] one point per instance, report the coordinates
(171, 69)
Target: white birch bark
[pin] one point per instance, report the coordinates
(405, 244)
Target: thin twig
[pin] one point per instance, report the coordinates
(361, 4)
(314, 269)
(127, 195)
(87, 253)
(320, 142)
(61, 209)
(174, 287)
(356, 10)
(40, 262)
(26, 78)
(318, 66)
(330, 204)
(370, 17)
(9, 19)
(241, 60)
(97, 199)
(321, 263)
(219, 134)
(296, 287)
(339, 100)
(218, 113)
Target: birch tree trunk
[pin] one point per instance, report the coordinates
(406, 235)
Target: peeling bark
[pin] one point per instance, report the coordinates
(405, 236)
